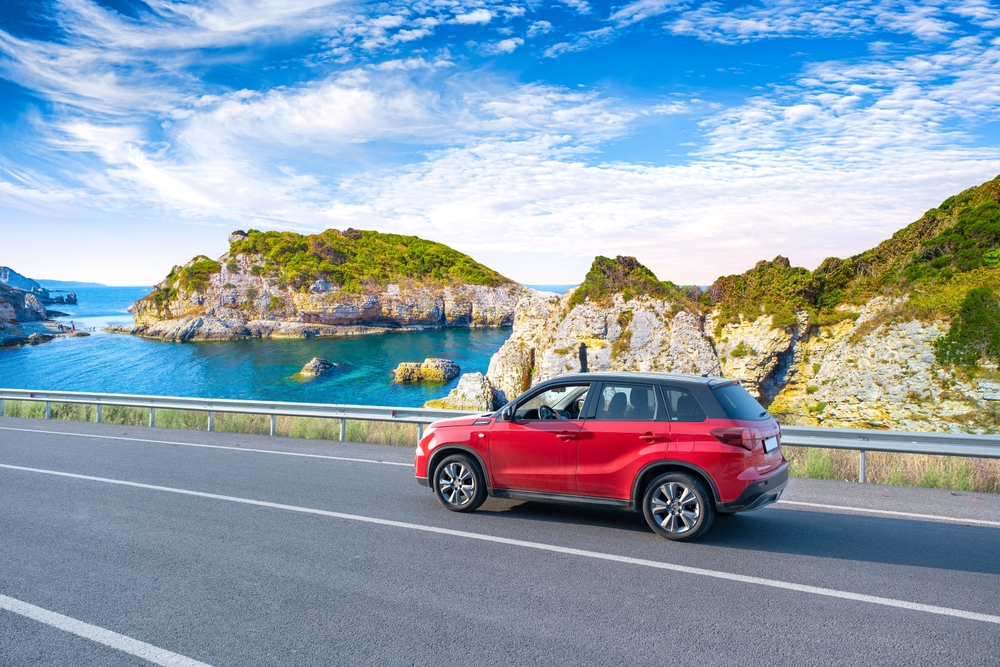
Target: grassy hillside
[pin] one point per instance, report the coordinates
(350, 259)
(626, 276)
(935, 261)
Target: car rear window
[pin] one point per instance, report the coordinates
(739, 404)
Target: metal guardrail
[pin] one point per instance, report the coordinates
(418, 416)
(902, 442)
(860, 440)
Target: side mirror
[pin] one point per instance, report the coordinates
(508, 414)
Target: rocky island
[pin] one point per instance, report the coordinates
(903, 336)
(288, 285)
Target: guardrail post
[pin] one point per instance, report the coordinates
(420, 433)
(152, 417)
(1, 407)
(862, 465)
(274, 424)
(48, 410)
(211, 421)
(343, 429)
(99, 415)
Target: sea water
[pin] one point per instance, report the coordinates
(251, 369)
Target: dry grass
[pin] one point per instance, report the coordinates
(387, 433)
(935, 472)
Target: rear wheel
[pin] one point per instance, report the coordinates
(459, 483)
(677, 507)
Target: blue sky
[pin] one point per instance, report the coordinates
(697, 136)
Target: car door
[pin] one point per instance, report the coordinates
(626, 429)
(536, 450)
(686, 419)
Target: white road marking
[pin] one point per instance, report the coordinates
(195, 444)
(715, 574)
(936, 517)
(95, 633)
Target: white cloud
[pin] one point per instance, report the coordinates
(539, 28)
(641, 10)
(579, 6)
(478, 16)
(503, 46)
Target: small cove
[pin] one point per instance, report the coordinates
(254, 369)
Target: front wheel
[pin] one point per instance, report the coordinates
(677, 507)
(459, 484)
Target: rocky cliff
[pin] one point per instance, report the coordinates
(903, 336)
(17, 306)
(280, 284)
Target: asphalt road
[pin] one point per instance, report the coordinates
(211, 578)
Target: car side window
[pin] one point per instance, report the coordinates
(682, 406)
(561, 402)
(627, 402)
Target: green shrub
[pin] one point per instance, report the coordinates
(741, 350)
(197, 276)
(812, 389)
(975, 330)
(973, 241)
(276, 302)
(627, 277)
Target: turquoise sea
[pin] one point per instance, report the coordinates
(259, 369)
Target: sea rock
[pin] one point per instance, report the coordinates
(71, 298)
(76, 334)
(472, 393)
(316, 367)
(37, 338)
(432, 369)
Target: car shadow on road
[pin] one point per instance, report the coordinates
(854, 537)
(871, 539)
(566, 513)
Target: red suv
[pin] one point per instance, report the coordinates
(681, 448)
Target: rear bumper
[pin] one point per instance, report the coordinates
(759, 494)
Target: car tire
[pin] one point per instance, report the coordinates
(677, 507)
(459, 483)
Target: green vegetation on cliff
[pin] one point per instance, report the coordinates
(773, 288)
(353, 258)
(934, 261)
(625, 276)
(975, 330)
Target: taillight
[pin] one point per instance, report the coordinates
(738, 437)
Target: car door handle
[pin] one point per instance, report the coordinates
(649, 437)
(565, 437)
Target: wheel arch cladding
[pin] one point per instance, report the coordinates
(445, 451)
(654, 470)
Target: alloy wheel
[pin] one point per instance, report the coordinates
(457, 484)
(675, 507)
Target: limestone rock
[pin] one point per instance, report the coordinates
(637, 334)
(473, 393)
(316, 367)
(990, 390)
(432, 369)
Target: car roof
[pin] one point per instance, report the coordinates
(711, 381)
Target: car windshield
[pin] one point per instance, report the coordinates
(739, 404)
